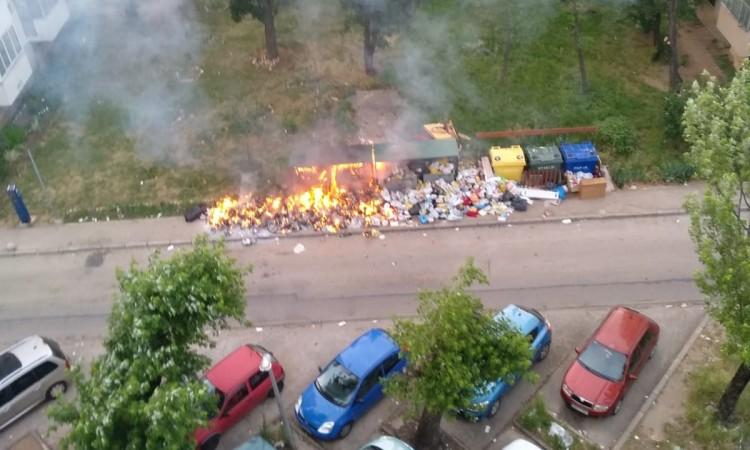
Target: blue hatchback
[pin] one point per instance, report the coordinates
(529, 322)
(348, 386)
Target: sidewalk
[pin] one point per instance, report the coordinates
(644, 200)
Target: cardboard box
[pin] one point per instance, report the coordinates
(592, 188)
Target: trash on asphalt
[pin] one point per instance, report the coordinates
(258, 329)
(567, 221)
(299, 248)
(342, 323)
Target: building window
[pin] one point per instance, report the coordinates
(10, 49)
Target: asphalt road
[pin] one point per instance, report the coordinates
(598, 263)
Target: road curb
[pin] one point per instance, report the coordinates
(660, 386)
(404, 229)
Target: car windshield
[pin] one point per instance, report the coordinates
(603, 361)
(9, 363)
(220, 399)
(337, 384)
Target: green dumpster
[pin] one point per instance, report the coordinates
(544, 165)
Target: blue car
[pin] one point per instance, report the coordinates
(530, 322)
(348, 386)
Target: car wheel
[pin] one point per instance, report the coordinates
(617, 407)
(56, 390)
(211, 443)
(494, 408)
(345, 430)
(543, 354)
(279, 385)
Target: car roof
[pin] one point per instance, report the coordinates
(521, 444)
(520, 318)
(235, 369)
(622, 329)
(367, 351)
(26, 352)
(387, 443)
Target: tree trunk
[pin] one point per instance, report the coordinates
(732, 393)
(369, 49)
(579, 49)
(674, 59)
(272, 50)
(428, 431)
(657, 31)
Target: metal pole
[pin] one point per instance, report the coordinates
(36, 169)
(277, 396)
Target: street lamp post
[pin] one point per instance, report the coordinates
(266, 366)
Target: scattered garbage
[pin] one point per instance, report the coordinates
(299, 248)
(258, 329)
(567, 221)
(564, 435)
(487, 429)
(170, 248)
(342, 323)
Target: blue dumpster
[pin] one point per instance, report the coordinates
(579, 157)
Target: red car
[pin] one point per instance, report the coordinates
(610, 362)
(240, 386)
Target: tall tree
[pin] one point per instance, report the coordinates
(717, 127)
(647, 14)
(378, 19)
(452, 348)
(675, 81)
(574, 6)
(143, 393)
(264, 11)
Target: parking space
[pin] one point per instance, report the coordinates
(301, 349)
(571, 327)
(677, 324)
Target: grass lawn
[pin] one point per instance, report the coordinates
(248, 115)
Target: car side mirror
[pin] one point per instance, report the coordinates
(632, 376)
(578, 350)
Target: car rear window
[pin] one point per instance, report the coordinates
(9, 363)
(55, 347)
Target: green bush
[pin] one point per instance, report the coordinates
(622, 175)
(618, 135)
(11, 136)
(674, 107)
(536, 418)
(677, 171)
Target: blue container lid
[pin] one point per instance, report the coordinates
(579, 152)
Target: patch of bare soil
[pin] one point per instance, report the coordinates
(669, 406)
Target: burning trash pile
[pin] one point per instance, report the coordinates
(329, 205)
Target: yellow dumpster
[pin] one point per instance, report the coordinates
(508, 162)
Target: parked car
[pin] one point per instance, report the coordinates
(31, 372)
(386, 443)
(610, 361)
(256, 443)
(530, 322)
(348, 386)
(240, 386)
(521, 444)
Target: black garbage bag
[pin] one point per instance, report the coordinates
(519, 204)
(194, 213)
(508, 196)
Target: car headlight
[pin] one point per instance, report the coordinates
(326, 427)
(566, 389)
(480, 405)
(298, 404)
(600, 408)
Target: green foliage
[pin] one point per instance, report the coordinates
(536, 418)
(258, 9)
(674, 108)
(618, 135)
(11, 136)
(142, 393)
(677, 171)
(626, 174)
(379, 17)
(454, 347)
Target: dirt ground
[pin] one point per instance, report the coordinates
(669, 406)
(700, 44)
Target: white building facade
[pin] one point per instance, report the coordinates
(23, 22)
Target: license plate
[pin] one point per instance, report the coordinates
(580, 409)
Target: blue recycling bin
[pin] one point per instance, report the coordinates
(579, 157)
(17, 200)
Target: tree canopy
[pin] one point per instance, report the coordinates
(143, 392)
(265, 12)
(717, 127)
(452, 348)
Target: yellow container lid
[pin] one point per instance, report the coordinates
(507, 156)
